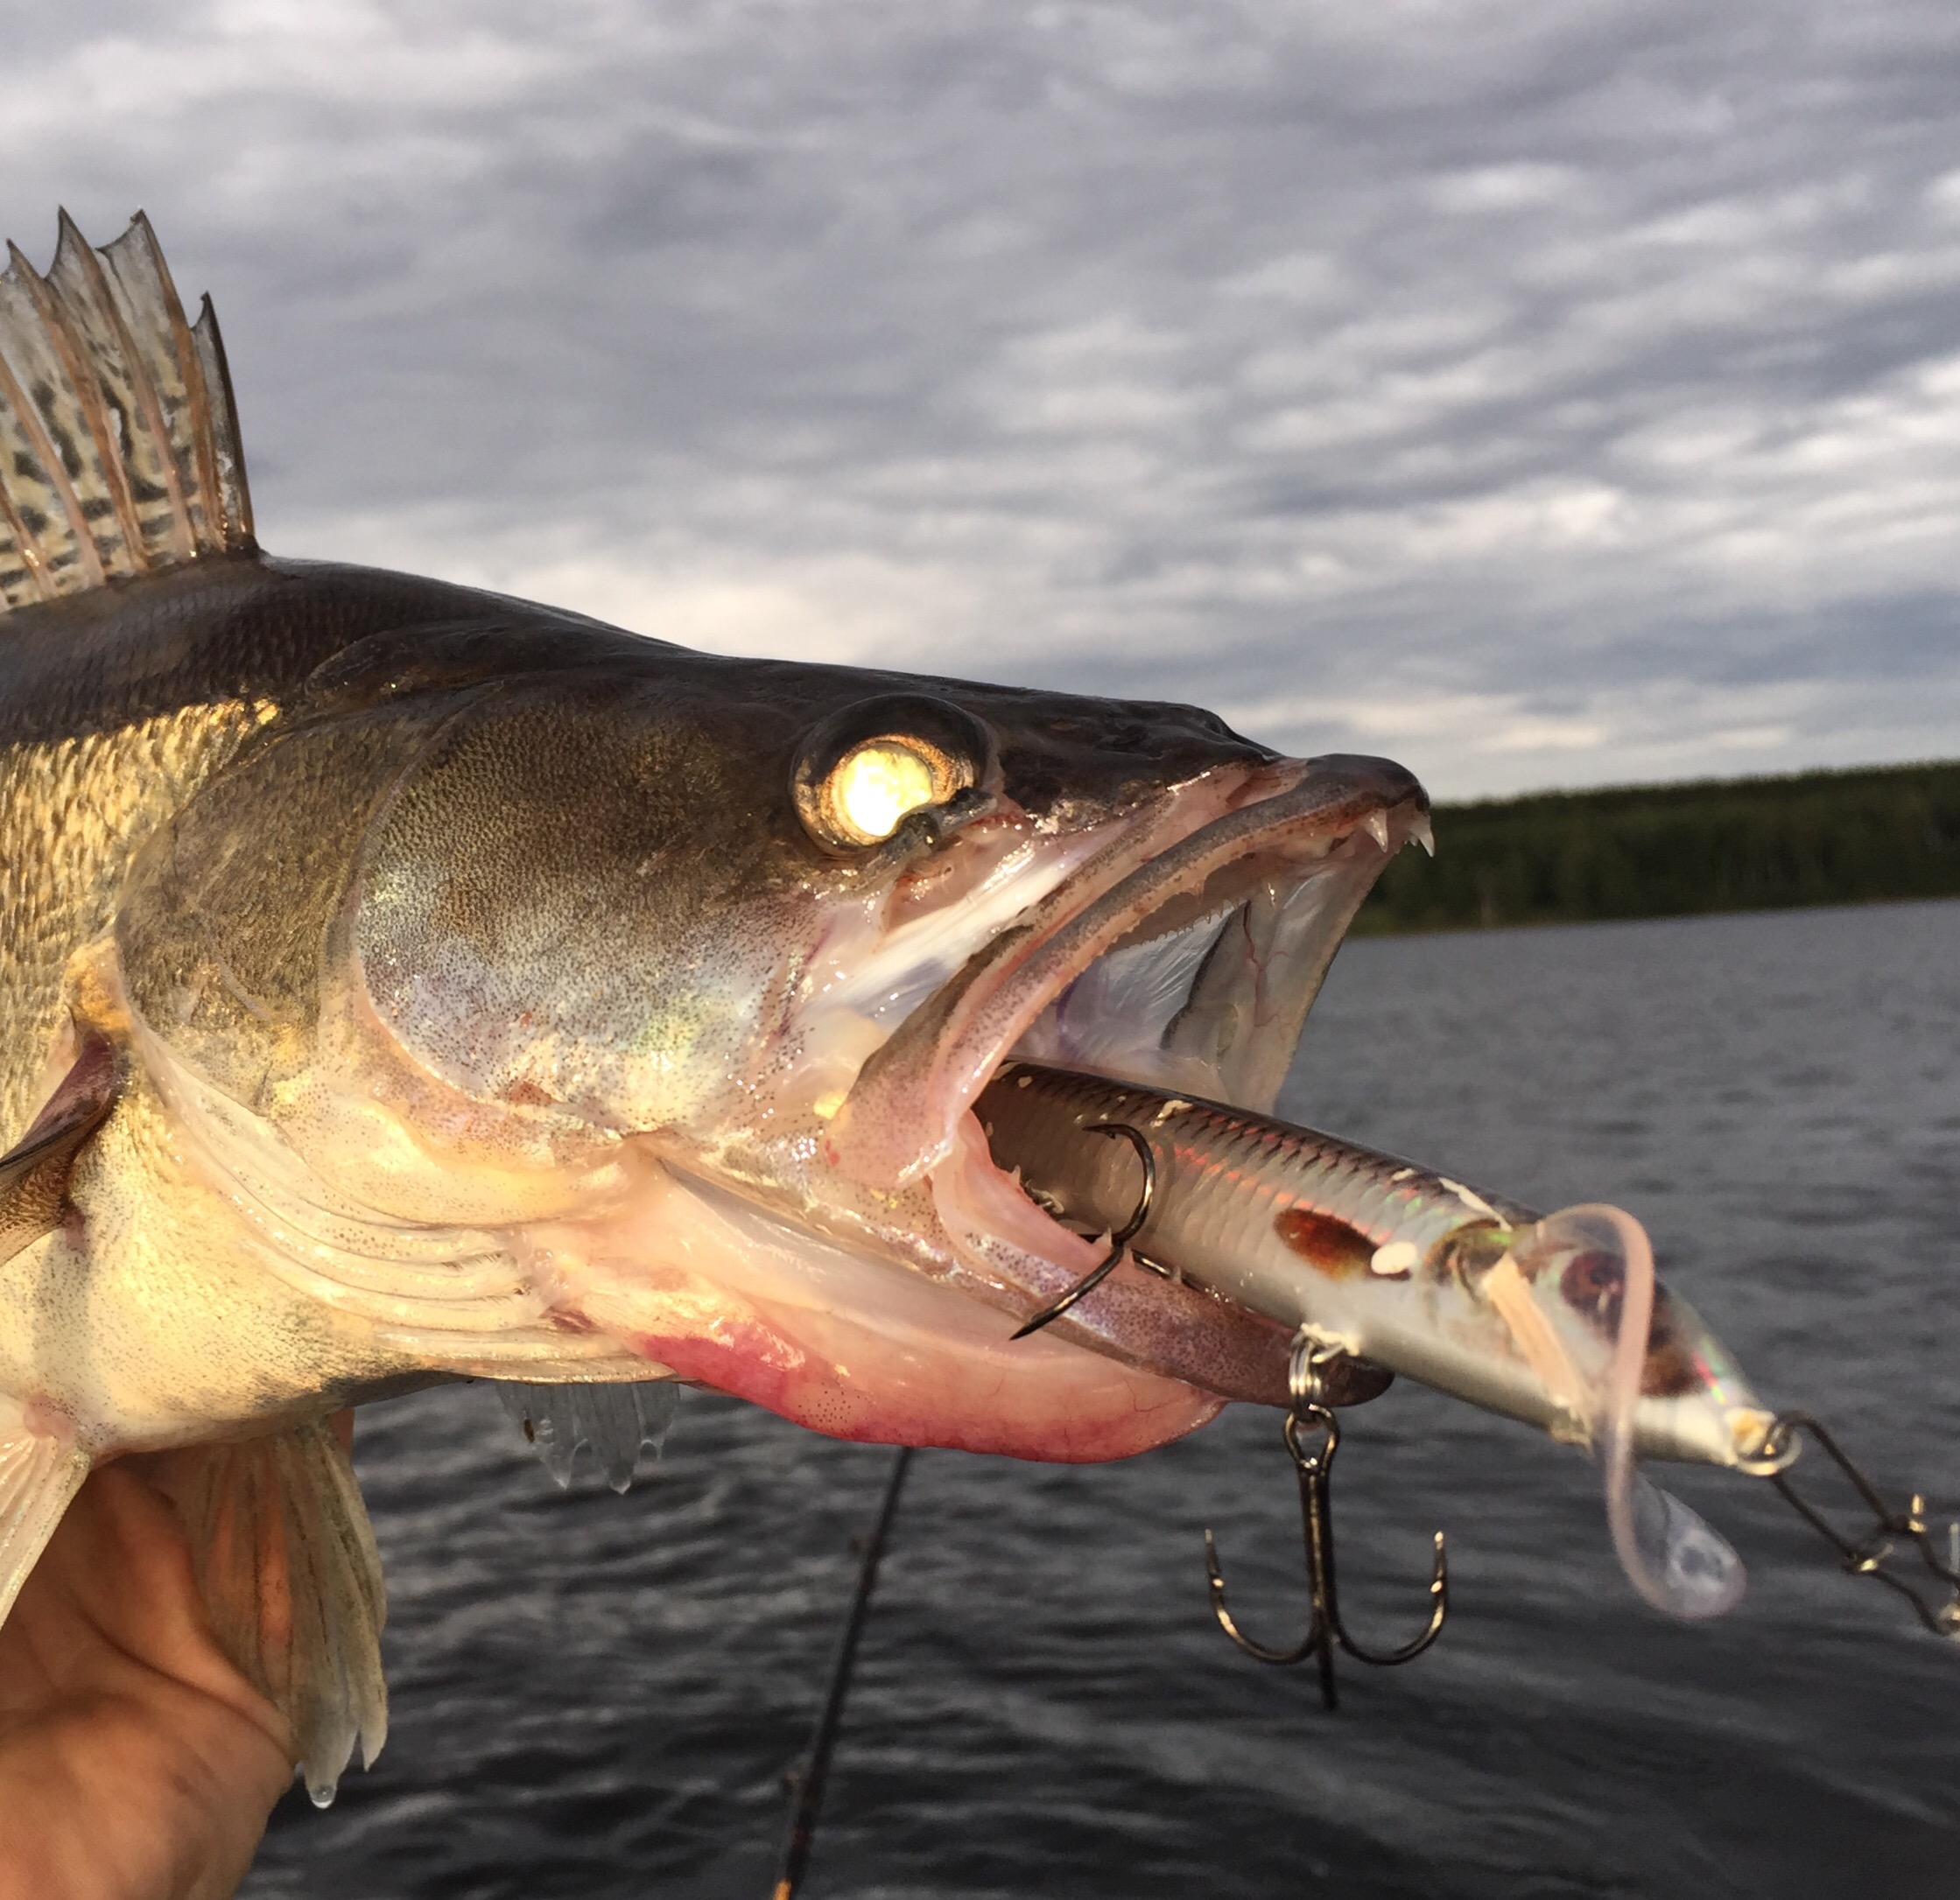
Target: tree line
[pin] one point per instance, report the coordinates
(1663, 850)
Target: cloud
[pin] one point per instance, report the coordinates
(1544, 395)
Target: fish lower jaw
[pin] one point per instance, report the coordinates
(727, 1297)
(964, 1407)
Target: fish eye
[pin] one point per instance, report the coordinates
(873, 788)
(866, 769)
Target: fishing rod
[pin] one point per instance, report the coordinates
(810, 1780)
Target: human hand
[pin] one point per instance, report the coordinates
(135, 1762)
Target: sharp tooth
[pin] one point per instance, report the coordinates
(1376, 825)
(1422, 834)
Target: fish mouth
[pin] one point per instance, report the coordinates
(1185, 954)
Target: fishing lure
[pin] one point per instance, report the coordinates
(1555, 1320)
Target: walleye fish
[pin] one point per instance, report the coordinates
(403, 982)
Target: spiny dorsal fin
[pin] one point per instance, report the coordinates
(119, 450)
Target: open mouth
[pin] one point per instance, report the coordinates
(1186, 955)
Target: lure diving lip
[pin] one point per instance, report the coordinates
(1469, 1293)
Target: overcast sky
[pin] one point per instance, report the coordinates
(1544, 392)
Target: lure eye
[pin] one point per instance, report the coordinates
(865, 770)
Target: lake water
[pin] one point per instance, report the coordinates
(599, 1696)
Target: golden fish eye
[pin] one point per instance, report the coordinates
(859, 774)
(873, 788)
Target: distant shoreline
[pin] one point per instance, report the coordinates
(1701, 848)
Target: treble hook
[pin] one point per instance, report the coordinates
(1866, 1556)
(1313, 1467)
(1118, 1240)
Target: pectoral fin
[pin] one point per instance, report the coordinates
(39, 1477)
(34, 1171)
(287, 1564)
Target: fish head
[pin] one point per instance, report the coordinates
(671, 980)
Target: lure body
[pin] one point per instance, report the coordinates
(1468, 1291)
